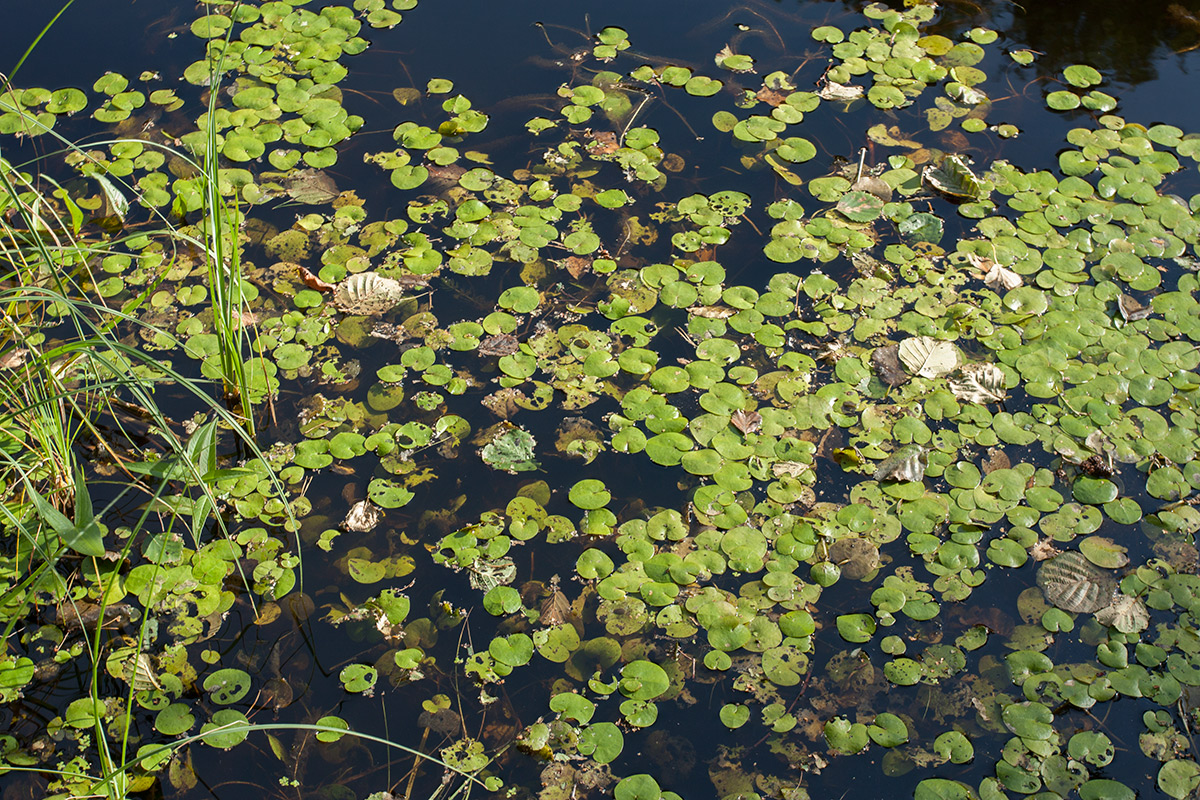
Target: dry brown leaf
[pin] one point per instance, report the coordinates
(746, 421)
(313, 282)
(1131, 310)
(603, 143)
(576, 265)
(770, 97)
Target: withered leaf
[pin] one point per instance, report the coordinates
(840, 91)
(576, 265)
(770, 97)
(886, 362)
(499, 344)
(746, 421)
(1131, 310)
(712, 312)
(313, 282)
(603, 143)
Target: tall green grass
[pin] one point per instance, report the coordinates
(72, 389)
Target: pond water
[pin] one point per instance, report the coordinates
(781, 400)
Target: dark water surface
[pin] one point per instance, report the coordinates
(509, 59)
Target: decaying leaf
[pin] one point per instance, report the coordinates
(1126, 614)
(313, 282)
(886, 362)
(979, 383)
(1075, 584)
(995, 276)
(1131, 310)
(840, 91)
(927, 357)
(362, 517)
(746, 421)
(368, 294)
(906, 464)
(712, 312)
(953, 178)
(311, 186)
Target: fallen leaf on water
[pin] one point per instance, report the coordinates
(746, 421)
(928, 357)
(313, 282)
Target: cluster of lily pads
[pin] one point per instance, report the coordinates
(846, 464)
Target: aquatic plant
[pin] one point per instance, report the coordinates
(947, 370)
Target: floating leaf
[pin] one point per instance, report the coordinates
(511, 451)
(362, 517)
(927, 357)
(1131, 310)
(979, 383)
(953, 178)
(1074, 584)
(1126, 614)
(1103, 552)
(906, 464)
(368, 294)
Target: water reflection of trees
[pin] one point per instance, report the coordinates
(1122, 38)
